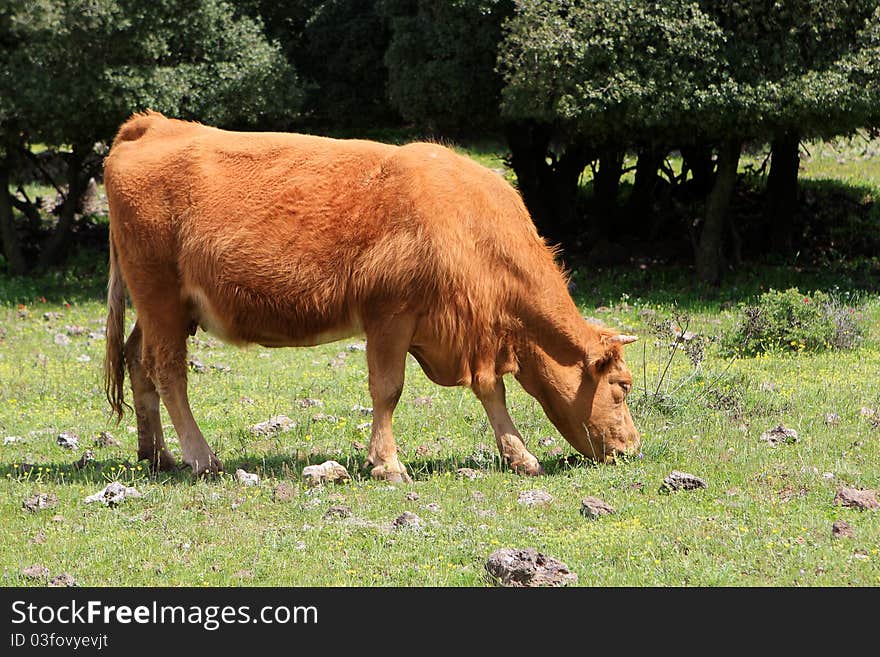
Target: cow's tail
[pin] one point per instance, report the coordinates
(114, 357)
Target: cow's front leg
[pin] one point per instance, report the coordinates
(387, 345)
(510, 442)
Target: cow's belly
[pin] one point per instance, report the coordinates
(240, 323)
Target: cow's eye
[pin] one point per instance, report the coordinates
(626, 387)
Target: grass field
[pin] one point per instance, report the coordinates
(764, 519)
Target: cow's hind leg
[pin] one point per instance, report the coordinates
(387, 346)
(509, 441)
(165, 325)
(151, 441)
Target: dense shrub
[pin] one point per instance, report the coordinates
(793, 321)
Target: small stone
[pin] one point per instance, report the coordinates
(867, 413)
(36, 572)
(433, 507)
(247, 478)
(83, 358)
(556, 451)
(283, 492)
(106, 439)
(11, 440)
(593, 507)
(275, 424)
(358, 445)
(62, 340)
(357, 346)
(832, 419)
(546, 441)
(113, 494)
(244, 574)
(76, 330)
(841, 529)
(479, 496)
(40, 501)
(309, 403)
(364, 426)
(326, 472)
(534, 498)
(767, 386)
(196, 365)
(67, 440)
(681, 481)
(828, 475)
(407, 520)
(87, 457)
(486, 513)
(321, 417)
(527, 568)
(363, 410)
(39, 538)
(423, 401)
(338, 511)
(412, 496)
(62, 580)
(779, 434)
(51, 316)
(221, 367)
(468, 473)
(856, 498)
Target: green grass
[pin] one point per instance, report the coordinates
(765, 518)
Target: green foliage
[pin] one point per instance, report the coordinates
(793, 321)
(441, 61)
(88, 66)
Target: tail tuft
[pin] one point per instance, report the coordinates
(114, 358)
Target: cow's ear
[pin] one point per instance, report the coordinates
(603, 354)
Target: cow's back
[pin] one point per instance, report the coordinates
(289, 239)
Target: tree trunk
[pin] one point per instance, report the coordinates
(77, 175)
(549, 190)
(607, 182)
(782, 191)
(709, 254)
(698, 160)
(640, 205)
(11, 245)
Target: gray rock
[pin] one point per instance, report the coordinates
(527, 568)
(407, 520)
(87, 457)
(11, 440)
(412, 496)
(40, 501)
(468, 473)
(113, 494)
(534, 498)
(35, 572)
(308, 402)
(832, 419)
(67, 440)
(593, 507)
(856, 498)
(61, 340)
(326, 472)
(363, 410)
(780, 434)
(247, 478)
(273, 425)
(106, 439)
(338, 511)
(841, 529)
(63, 580)
(676, 481)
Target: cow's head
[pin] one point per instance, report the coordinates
(585, 396)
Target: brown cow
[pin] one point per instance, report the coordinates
(295, 240)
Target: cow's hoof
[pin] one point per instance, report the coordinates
(531, 467)
(385, 473)
(164, 462)
(209, 466)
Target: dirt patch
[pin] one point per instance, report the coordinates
(407, 520)
(338, 511)
(779, 435)
(841, 529)
(534, 498)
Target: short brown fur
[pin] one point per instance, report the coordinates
(293, 240)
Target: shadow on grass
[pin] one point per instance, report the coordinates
(271, 466)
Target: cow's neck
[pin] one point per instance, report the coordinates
(552, 340)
